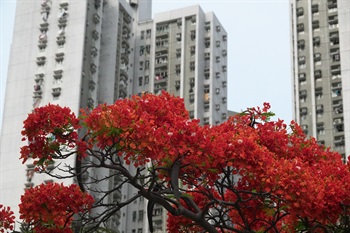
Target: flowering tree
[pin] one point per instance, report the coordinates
(248, 174)
(7, 219)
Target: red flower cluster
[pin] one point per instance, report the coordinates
(49, 208)
(7, 219)
(48, 129)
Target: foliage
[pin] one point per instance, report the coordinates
(248, 174)
(7, 219)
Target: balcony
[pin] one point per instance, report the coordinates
(57, 74)
(334, 38)
(335, 70)
(332, 4)
(332, 20)
(56, 92)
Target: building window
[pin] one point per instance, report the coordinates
(140, 219)
(57, 74)
(207, 26)
(191, 98)
(59, 58)
(217, 91)
(141, 65)
(146, 64)
(333, 21)
(177, 69)
(193, 50)
(178, 53)
(40, 61)
(217, 59)
(300, 27)
(148, 49)
(142, 35)
(134, 216)
(301, 44)
(320, 128)
(316, 41)
(223, 116)
(193, 20)
(224, 83)
(304, 128)
(148, 33)
(217, 107)
(335, 54)
(224, 38)
(318, 93)
(56, 92)
(301, 60)
(224, 100)
(146, 80)
(300, 11)
(96, 18)
(142, 50)
(303, 111)
(207, 56)
(178, 37)
(217, 43)
(315, 24)
(93, 68)
(318, 75)
(140, 81)
(336, 89)
(319, 109)
(206, 120)
(192, 66)
(207, 42)
(302, 95)
(224, 53)
(317, 57)
(193, 35)
(177, 85)
(218, 28)
(334, 38)
(314, 8)
(224, 68)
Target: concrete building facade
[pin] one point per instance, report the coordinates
(82, 53)
(320, 31)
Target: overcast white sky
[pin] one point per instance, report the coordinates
(259, 67)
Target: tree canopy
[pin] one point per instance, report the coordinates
(248, 174)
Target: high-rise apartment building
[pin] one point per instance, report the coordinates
(83, 53)
(321, 70)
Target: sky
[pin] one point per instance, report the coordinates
(259, 60)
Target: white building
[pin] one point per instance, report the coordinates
(82, 53)
(321, 70)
